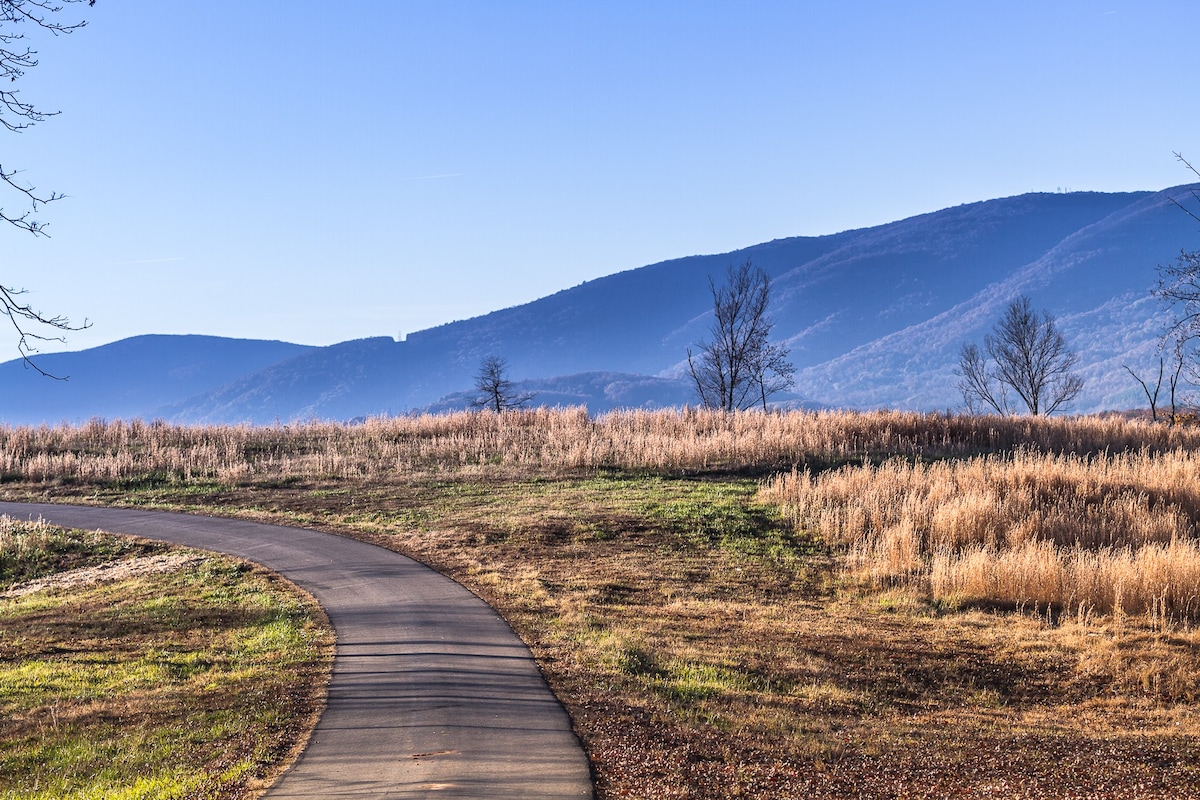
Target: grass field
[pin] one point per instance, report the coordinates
(804, 605)
(138, 671)
(1074, 534)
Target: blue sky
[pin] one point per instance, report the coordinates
(316, 173)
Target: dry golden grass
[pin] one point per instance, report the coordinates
(1105, 532)
(688, 441)
(695, 667)
(704, 646)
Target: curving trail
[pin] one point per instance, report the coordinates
(432, 694)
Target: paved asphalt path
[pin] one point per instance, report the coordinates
(432, 694)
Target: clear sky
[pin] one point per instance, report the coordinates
(317, 172)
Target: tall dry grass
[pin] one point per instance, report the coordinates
(1095, 512)
(688, 440)
(1105, 532)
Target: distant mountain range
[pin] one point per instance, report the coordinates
(874, 318)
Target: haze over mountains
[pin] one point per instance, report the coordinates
(874, 318)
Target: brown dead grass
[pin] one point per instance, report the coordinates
(692, 441)
(1107, 532)
(704, 647)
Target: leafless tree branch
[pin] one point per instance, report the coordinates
(1196, 197)
(17, 17)
(1151, 396)
(1178, 290)
(22, 316)
(24, 221)
(980, 392)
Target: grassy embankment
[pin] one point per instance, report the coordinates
(142, 671)
(834, 605)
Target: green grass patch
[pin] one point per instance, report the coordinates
(190, 683)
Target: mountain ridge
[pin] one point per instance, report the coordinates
(131, 377)
(873, 316)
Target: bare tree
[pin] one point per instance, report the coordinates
(739, 367)
(1151, 396)
(1179, 291)
(773, 372)
(16, 114)
(1025, 353)
(496, 390)
(1172, 383)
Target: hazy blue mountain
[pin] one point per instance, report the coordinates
(130, 378)
(875, 317)
(341, 381)
(598, 391)
(1095, 281)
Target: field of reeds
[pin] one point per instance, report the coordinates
(1076, 515)
(1108, 532)
(692, 441)
(763, 605)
